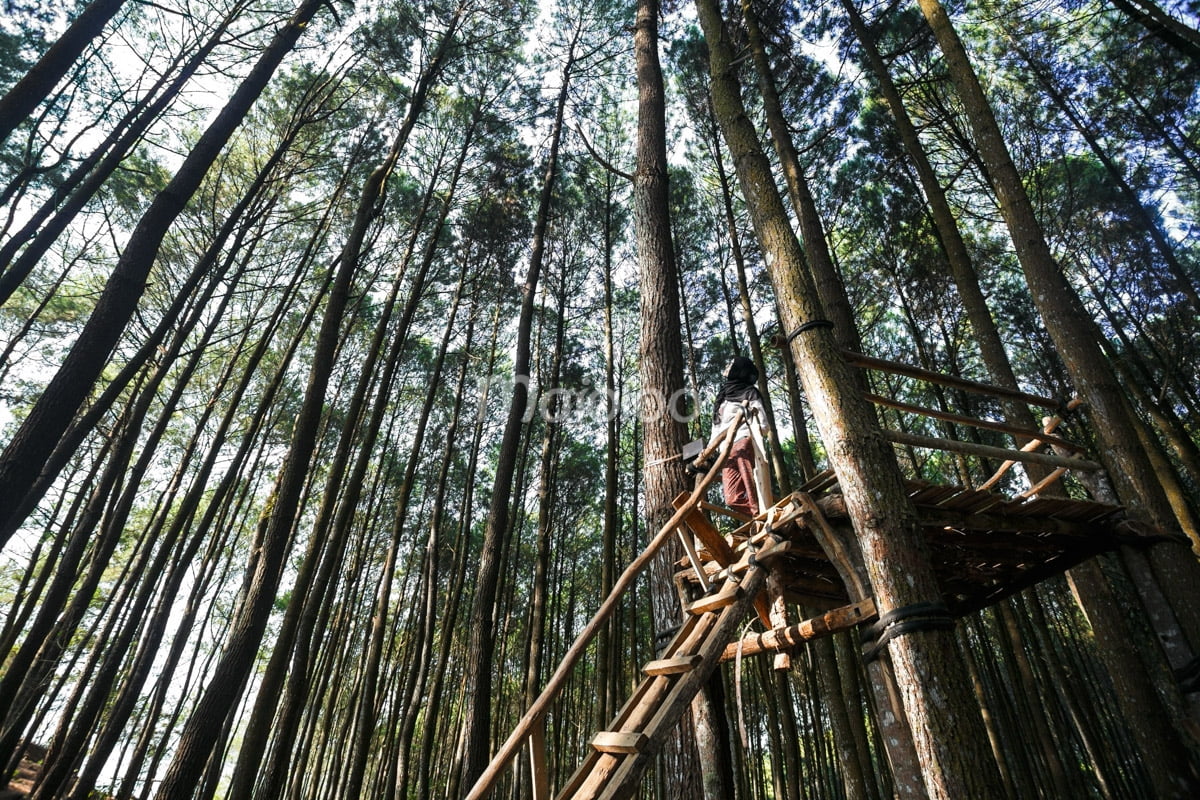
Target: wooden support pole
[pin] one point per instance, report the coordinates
(829, 623)
(779, 619)
(689, 547)
(705, 531)
(1049, 425)
(1041, 485)
(537, 759)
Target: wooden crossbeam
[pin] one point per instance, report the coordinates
(827, 624)
(671, 666)
(727, 595)
(620, 743)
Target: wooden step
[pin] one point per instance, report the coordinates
(620, 743)
(671, 666)
(730, 593)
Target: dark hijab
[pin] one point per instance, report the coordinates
(740, 378)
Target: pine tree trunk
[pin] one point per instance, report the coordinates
(21, 461)
(1072, 331)
(606, 653)
(1166, 760)
(20, 101)
(962, 270)
(948, 733)
(661, 367)
(73, 193)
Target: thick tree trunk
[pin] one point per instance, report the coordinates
(830, 289)
(661, 368)
(1072, 331)
(948, 732)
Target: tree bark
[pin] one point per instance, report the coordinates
(477, 729)
(948, 732)
(72, 194)
(1071, 329)
(661, 371)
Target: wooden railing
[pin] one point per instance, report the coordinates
(530, 727)
(1027, 453)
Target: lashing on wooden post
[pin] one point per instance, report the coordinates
(900, 621)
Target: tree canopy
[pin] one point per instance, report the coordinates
(332, 396)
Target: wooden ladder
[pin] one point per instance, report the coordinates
(620, 754)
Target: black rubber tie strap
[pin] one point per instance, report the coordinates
(900, 621)
(808, 326)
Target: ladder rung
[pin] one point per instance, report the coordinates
(672, 666)
(719, 600)
(620, 743)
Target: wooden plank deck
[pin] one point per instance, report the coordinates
(983, 546)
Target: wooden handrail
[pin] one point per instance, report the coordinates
(1049, 425)
(991, 425)
(988, 451)
(860, 360)
(541, 705)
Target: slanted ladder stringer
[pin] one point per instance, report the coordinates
(620, 754)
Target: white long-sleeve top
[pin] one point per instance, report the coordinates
(727, 411)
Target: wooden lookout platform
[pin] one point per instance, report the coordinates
(983, 546)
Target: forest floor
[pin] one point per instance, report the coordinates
(22, 782)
